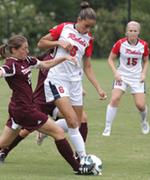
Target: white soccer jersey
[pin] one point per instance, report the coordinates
(82, 45)
(130, 58)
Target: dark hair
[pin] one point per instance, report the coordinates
(86, 11)
(14, 42)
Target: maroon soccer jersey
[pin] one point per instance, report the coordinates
(39, 94)
(21, 108)
(18, 76)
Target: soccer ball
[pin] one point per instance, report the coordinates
(97, 170)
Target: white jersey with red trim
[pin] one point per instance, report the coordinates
(130, 58)
(82, 46)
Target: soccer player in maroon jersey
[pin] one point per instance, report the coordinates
(22, 111)
(133, 55)
(47, 108)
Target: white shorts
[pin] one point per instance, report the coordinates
(135, 87)
(57, 88)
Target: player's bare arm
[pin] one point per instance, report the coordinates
(65, 45)
(54, 62)
(92, 78)
(111, 61)
(47, 42)
(145, 67)
(1, 73)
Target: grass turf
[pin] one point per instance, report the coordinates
(125, 154)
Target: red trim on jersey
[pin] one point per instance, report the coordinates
(116, 46)
(146, 49)
(89, 49)
(56, 31)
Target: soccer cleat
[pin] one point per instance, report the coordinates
(40, 138)
(106, 132)
(145, 127)
(2, 157)
(85, 169)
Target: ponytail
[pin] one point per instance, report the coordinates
(3, 51)
(15, 41)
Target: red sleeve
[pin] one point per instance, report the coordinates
(116, 47)
(146, 50)
(56, 31)
(89, 49)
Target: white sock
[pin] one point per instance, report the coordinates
(63, 124)
(77, 141)
(55, 113)
(110, 115)
(144, 114)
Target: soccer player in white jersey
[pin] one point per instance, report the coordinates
(133, 62)
(64, 83)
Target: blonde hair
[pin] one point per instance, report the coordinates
(133, 23)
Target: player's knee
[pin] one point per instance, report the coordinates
(59, 134)
(115, 101)
(24, 133)
(72, 121)
(140, 107)
(3, 144)
(73, 124)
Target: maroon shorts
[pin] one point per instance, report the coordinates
(46, 108)
(30, 119)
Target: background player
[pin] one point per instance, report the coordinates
(133, 62)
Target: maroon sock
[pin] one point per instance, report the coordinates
(84, 130)
(66, 151)
(12, 145)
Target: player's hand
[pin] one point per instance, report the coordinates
(71, 59)
(142, 79)
(84, 92)
(102, 95)
(118, 77)
(66, 45)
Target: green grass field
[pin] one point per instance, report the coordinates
(125, 154)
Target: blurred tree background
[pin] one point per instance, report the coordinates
(33, 19)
